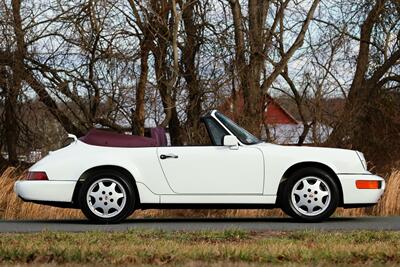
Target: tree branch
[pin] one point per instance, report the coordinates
(295, 46)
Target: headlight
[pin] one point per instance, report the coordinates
(362, 159)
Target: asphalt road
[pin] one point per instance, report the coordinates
(251, 224)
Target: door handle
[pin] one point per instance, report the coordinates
(173, 156)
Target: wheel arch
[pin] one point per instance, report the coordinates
(87, 173)
(307, 164)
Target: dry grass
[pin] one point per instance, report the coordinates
(222, 248)
(11, 207)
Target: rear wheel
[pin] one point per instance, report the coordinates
(107, 196)
(310, 194)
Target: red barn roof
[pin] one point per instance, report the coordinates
(273, 113)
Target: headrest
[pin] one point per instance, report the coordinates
(158, 133)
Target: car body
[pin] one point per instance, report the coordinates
(236, 171)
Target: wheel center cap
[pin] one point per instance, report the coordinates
(311, 195)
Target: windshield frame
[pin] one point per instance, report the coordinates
(241, 134)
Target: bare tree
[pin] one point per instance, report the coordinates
(252, 47)
(376, 71)
(114, 63)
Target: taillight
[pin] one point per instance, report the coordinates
(37, 176)
(368, 184)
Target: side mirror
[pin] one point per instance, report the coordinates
(231, 142)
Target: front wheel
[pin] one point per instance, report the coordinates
(107, 197)
(310, 195)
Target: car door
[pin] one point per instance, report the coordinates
(213, 169)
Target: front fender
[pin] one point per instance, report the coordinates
(280, 158)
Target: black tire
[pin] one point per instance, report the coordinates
(290, 208)
(108, 175)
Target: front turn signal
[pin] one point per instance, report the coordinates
(37, 176)
(368, 184)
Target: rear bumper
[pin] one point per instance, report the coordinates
(362, 197)
(45, 191)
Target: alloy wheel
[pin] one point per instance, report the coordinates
(106, 198)
(311, 196)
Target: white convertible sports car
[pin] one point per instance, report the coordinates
(110, 175)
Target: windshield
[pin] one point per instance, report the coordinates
(244, 136)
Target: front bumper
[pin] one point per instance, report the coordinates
(50, 191)
(353, 195)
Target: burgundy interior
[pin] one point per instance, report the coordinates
(105, 138)
(159, 135)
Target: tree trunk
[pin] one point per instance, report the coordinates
(175, 129)
(188, 60)
(166, 42)
(346, 127)
(3, 164)
(9, 120)
(139, 116)
(11, 124)
(11, 104)
(348, 131)
(249, 73)
(304, 133)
